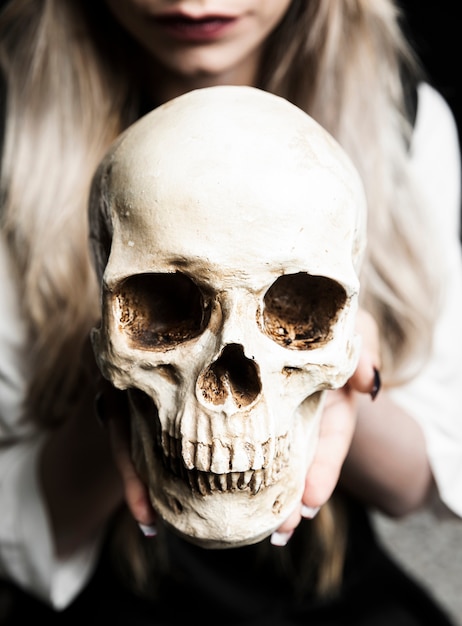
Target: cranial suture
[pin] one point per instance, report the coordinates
(228, 230)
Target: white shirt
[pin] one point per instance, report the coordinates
(434, 399)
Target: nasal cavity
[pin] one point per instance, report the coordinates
(231, 374)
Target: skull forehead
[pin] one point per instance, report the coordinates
(190, 176)
(216, 131)
(269, 233)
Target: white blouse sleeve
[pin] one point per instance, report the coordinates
(26, 543)
(434, 397)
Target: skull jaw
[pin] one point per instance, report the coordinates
(226, 520)
(229, 520)
(230, 515)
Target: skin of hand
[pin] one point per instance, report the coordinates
(336, 433)
(387, 464)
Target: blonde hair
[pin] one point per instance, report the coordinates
(64, 107)
(69, 94)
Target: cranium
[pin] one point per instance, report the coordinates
(228, 231)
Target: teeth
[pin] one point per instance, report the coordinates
(221, 482)
(211, 468)
(209, 479)
(202, 459)
(239, 457)
(188, 453)
(229, 481)
(203, 485)
(266, 449)
(233, 478)
(220, 458)
(256, 482)
(259, 458)
(245, 479)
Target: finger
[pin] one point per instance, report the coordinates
(367, 327)
(336, 432)
(285, 531)
(366, 377)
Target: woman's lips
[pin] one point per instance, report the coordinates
(196, 29)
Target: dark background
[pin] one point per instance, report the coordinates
(434, 29)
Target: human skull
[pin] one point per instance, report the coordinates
(228, 229)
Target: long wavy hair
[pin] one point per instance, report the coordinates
(71, 89)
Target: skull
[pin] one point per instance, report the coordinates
(228, 230)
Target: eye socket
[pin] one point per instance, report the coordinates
(301, 310)
(159, 311)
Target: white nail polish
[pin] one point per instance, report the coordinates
(280, 539)
(148, 530)
(308, 512)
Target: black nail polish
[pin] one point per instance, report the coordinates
(377, 384)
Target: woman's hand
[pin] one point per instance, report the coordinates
(337, 427)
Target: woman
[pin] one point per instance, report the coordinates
(77, 74)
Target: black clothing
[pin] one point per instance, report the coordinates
(231, 587)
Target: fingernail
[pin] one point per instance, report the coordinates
(377, 384)
(281, 539)
(148, 530)
(308, 512)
